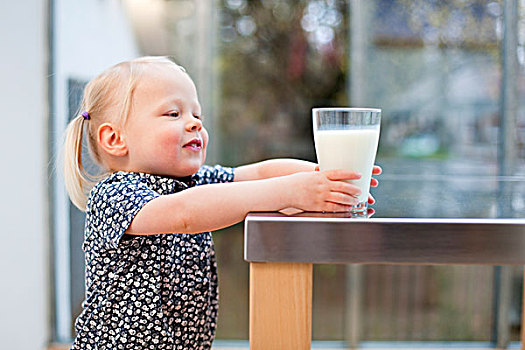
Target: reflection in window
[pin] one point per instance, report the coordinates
(435, 68)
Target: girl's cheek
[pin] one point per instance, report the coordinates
(170, 138)
(205, 137)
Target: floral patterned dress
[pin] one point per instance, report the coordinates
(146, 292)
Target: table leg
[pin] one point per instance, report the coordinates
(280, 306)
(523, 314)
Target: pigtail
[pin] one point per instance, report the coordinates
(76, 179)
(112, 88)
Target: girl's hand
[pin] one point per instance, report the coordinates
(323, 190)
(376, 170)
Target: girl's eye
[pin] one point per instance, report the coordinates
(197, 117)
(173, 114)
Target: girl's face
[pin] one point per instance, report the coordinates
(164, 133)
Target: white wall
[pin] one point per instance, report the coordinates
(24, 275)
(90, 36)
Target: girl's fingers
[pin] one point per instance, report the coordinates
(334, 207)
(371, 199)
(341, 174)
(341, 198)
(376, 170)
(345, 187)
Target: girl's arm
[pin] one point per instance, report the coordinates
(272, 168)
(211, 207)
(279, 167)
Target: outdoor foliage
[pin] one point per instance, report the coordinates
(278, 60)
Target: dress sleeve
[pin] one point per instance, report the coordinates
(216, 174)
(111, 209)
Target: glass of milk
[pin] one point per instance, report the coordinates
(347, 138)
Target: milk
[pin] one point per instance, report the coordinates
(353, 149)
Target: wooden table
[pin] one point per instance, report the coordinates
(282, 249)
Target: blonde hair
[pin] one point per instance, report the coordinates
(110, 91)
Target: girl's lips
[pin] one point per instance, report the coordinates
(194, 144)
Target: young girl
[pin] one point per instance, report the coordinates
(151, 279)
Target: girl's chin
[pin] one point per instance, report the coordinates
(188, 171)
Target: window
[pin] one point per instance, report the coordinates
(449, 76)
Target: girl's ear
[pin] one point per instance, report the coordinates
(111, 140)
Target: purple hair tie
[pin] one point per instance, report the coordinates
(86, 115)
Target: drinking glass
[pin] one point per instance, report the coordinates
(347, 138)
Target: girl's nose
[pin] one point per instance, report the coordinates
(194, 124)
